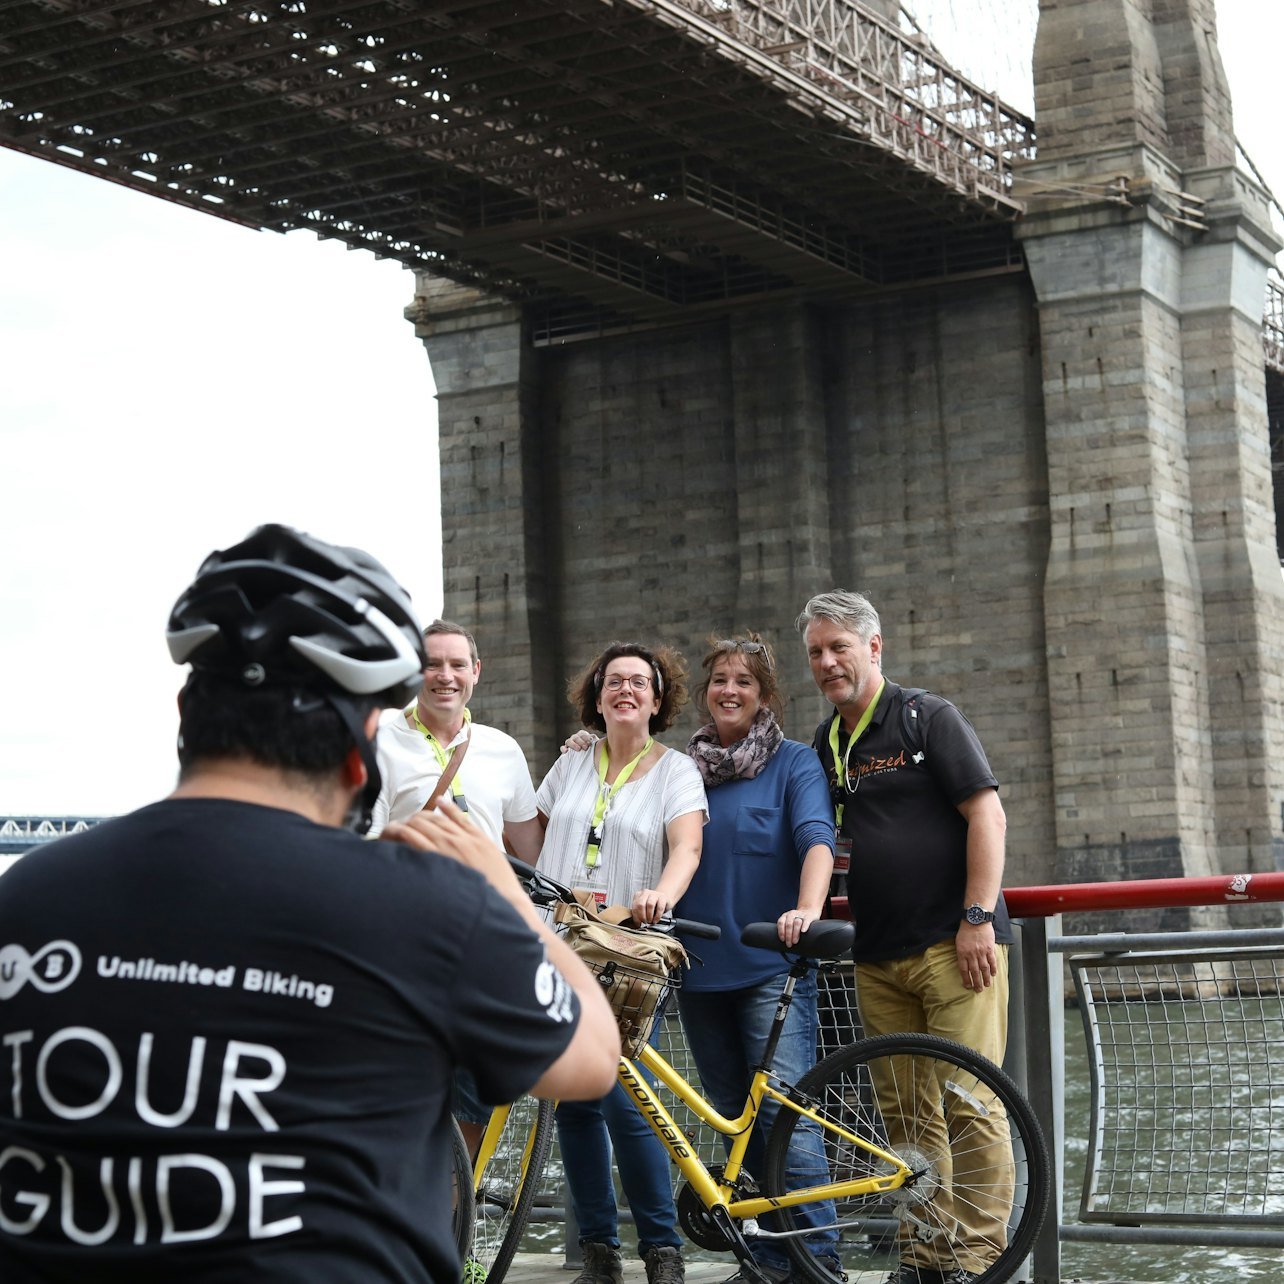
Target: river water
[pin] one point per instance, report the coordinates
(1160, 1264)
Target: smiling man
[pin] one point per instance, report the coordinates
(918, 807)
(493, 782)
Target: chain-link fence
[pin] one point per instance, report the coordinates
(1186, 1075)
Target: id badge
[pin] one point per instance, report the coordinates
(842, 855)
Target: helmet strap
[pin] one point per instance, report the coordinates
(353, 720)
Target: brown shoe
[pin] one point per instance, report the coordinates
(602, 1264)
(664, 1265)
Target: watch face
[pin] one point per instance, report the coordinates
(976, 915)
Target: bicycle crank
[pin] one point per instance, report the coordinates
(699, 1224)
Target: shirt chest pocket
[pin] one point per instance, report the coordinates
(757, 831)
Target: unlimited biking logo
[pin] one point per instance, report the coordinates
(51, 968)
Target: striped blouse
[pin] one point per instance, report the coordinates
(635, 843)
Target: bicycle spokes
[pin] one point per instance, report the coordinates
(977, 1181)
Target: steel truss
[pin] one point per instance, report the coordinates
(610, 162)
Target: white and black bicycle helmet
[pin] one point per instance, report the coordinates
(284, 609)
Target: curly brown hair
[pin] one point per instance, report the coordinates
(758, 659)
(668, 666)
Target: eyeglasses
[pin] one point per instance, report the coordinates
(638, 681)
(749, 648)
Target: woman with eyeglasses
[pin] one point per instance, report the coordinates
(624, 821)
(768, 854)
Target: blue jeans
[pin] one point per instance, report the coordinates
(465, 1104)
(586, 1132)
(727, 1032)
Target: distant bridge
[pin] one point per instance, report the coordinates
(19, 834)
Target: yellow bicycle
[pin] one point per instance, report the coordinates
(905, 1154)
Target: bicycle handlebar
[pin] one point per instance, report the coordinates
(525, 873)
(544, 891)
(692, 927)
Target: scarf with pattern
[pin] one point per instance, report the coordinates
(740, 761)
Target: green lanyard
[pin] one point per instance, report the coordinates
(441, 754)
(605, 793)
(840, 764)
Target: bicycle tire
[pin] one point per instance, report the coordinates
(461, 1206)
(960, 1093)
(506, 1186)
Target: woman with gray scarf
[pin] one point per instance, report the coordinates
(768, 854)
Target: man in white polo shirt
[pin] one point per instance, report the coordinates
(493, 782)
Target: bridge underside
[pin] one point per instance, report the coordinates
(605, 164)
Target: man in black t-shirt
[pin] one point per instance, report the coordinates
(918, 811)
(229, 1024)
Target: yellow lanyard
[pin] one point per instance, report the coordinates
(442, 755)
(840, 764)
(605, 793)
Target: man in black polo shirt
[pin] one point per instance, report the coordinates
(918, 807)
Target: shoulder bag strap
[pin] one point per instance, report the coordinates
(448, 773)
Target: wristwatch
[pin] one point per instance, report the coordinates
(977, 916)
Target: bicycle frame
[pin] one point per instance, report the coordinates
(714, 1193)
(489, 1141)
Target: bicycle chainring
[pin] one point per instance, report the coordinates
(697, 1224)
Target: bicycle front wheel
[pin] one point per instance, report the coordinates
(979, 1171)
(510, 1165)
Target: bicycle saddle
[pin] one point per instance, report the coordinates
(824, 939)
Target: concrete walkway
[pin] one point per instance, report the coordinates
(548, 1268)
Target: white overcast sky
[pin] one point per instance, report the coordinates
(169, 381)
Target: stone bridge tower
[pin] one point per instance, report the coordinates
(1164, 605)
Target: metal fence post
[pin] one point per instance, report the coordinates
(1044, 1012)
(1016, 1053)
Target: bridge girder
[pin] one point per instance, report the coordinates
(606, 162)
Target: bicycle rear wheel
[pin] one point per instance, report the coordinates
(981, 1172)
(510, 1164)
(461, 1208)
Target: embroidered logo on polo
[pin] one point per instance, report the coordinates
(51, 968)
(876, 766)
(862, 767)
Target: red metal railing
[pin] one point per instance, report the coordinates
(1152, 893)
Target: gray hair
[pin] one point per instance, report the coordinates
(849, 610)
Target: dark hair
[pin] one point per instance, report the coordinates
(293, 729)
(759, 660)
(438, 627)
(667, 665)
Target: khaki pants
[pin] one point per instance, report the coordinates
(960, 1128)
